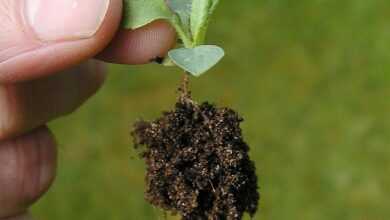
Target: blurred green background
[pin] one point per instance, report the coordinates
(312, 79)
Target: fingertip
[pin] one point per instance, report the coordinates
(142, 45)
(49, 56)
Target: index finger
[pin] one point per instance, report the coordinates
(141, 45)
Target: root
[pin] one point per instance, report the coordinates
(218, 178)
(186, 98)
(184, 91)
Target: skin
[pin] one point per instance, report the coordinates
(32, 94)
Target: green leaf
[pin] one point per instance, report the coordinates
(199, 20)
(197, 60)
(190, 18)
(141, 12)
(182, 8)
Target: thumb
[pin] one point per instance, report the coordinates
(40, 37)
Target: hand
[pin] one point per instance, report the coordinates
(46, 71)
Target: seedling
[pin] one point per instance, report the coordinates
(190, 18)
(197, 160)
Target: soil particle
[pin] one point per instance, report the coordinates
(197, 163)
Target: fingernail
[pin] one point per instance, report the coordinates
(54, 20)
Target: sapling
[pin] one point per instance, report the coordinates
(197, 161)
(190, 18)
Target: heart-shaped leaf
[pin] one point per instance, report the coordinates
(141, 12)
(197, 60)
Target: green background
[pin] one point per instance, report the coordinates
(312, 79)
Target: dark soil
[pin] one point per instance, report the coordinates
(198, 163)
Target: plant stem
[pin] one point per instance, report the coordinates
(185, 94)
